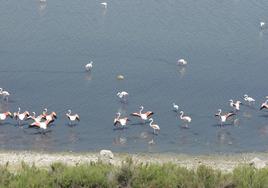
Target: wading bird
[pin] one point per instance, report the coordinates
(155, 127)
(175, 107)
(184, 118)
(224, 117)
(182, 62)
(89, 66)
(143, 116)
(121, 121)
(248, 99)
(4, 115)
(72, 118)
(235, 105)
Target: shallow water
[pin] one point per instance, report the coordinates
(44, 47)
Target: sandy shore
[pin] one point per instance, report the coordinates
(42, 159)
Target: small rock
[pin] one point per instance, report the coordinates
(120, 77)
(257, 163)
(107, 153)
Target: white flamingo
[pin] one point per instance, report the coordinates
(262, 25)
(155, 127)
(186, 119)
(104, 4)
(42, 125)
(121, 121)
(175, 107)
(21, 116)
(72, 118)
(143, 116)
(223, 117)
(248, 99)
(4, 115)
(89, 66)
(122, 95)
(182, 62)
(235, 105)
(4, 93)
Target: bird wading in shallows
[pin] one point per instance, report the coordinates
(72, 118)
(143, 116)
(120, 121)
(224, 117)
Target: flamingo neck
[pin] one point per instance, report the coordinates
(151, 121)
(181, 115)
(141, 109)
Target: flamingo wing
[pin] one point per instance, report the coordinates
(149, 113)
(136, 114)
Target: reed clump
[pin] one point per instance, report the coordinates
(130, 174)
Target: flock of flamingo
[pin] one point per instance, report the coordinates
(146, 116)
(42, 121)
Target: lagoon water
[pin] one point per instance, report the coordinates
(44, 47)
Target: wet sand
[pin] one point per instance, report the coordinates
(225, 162)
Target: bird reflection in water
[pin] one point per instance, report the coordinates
(42, 7)
(120, 140)
(181, 71)
(224, 137)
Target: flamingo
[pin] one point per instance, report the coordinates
(4, 93)
(264, 105)
(224, 117)
(186, 119)
(4, 115)
(175, 107)
(182, 62)
(248, 99)
(104, 4)
(21, 116)
(155, 127)
(262, 25)
(89, 66)
(42, 125)
(122, 95)
(73, 117)
(143, 116)
(121, 121)
(235, 105)
(51, 116)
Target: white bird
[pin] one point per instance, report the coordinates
(43, 125)
(89, 66)
(248, 99)
(182, 62)
(262, 25)
(4, 115)
(73, 117)
(175, 107)
(121, 121)
(4, 93)
(122, 95)
(155, 127)
(143, 116)
(235, 105)
(223, 117)
(104, 4)
(21, 116)
(187, 119)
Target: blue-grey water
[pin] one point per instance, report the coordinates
(44, 47)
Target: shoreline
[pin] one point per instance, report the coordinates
(225, 162)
